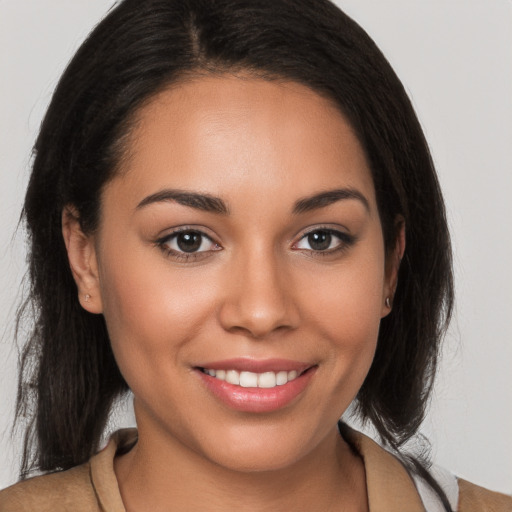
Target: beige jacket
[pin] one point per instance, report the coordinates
(92, 487)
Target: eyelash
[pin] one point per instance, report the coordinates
(163, 244)
(345, 241)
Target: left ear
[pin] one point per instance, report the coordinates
(82, 261)
(393, 260)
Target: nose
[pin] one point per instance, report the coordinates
(259, 298)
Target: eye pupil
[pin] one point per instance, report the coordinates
(189, 241)
(319, 240)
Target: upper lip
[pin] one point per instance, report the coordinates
(243, 364)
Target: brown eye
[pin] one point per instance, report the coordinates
(320, 240)
(189, 241)
(325, 241)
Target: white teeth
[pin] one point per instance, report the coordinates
(281, 378)
(253, 380)
(248, 380)
(233, 377)
(267, 380)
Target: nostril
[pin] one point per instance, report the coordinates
(257, 301)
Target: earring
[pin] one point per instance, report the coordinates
(87, 297)
(388, 302)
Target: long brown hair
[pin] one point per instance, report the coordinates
(69, 376)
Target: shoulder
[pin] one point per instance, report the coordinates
(62, 491)
(473, 498)
(392, 486)
(91, 487)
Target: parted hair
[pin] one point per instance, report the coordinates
(69, 379)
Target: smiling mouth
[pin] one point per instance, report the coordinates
(247, 379)
(252, 386)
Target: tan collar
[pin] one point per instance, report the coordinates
(103, 477)
(390, 488)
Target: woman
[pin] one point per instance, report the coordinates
(233, 213)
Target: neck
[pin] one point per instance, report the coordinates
(166, 475)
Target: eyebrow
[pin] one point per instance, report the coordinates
(212, 204)
(328, 197)
(204, 202)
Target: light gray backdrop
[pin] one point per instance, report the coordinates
(455, 58)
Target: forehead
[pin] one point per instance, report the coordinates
(228, 135)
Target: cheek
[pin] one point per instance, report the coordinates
(346, 313)
(349, 302)
(149, 310)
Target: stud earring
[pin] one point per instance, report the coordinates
(87, 297)
(388, 302)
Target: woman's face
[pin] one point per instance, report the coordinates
(242, 239)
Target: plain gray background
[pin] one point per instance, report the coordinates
(455, 59)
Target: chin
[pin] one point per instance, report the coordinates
(258, 450)
(248, 461)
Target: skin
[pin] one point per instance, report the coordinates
(257, 290)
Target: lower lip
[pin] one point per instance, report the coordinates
(257, 399)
